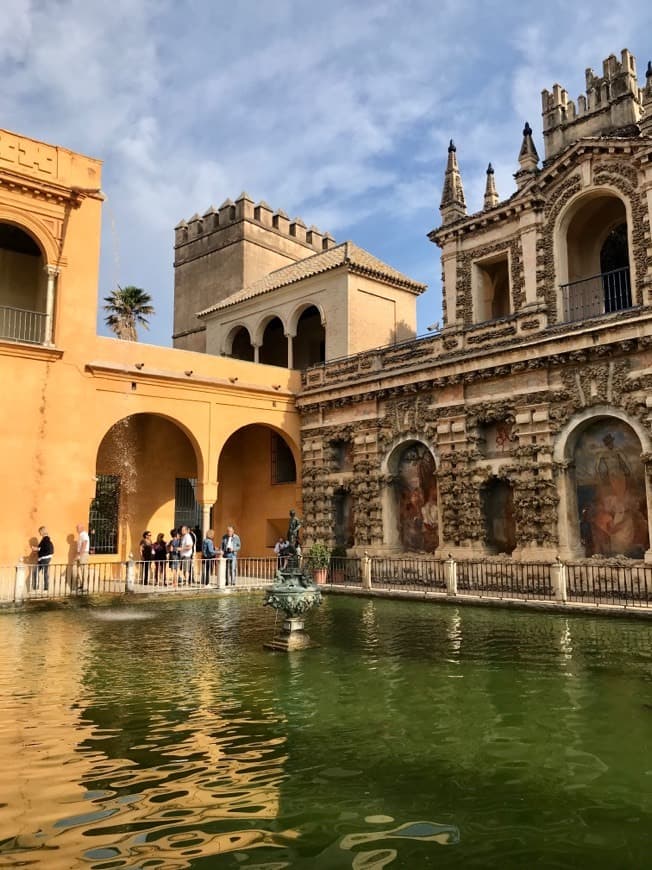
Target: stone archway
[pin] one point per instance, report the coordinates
(24, 299)
(146, 476)
(257, 487)
(411, 510)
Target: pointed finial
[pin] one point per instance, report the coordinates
(648, 72)
(527, 158)
(453, 204)
(490, 192)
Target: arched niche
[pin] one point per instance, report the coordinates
(593, 254)
(146, 476)
(609, 490)
(343, 511)
(498, 510)
(309, 343)
(23, 286)
(410, 504)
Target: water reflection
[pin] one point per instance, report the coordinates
(177, 739)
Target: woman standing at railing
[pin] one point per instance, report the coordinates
(174, 548)
(209, 553)
(146, 555)
(160, 552)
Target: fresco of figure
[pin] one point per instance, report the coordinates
(611, 491)
(417, 500)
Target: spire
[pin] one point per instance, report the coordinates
(645, 124)
(490, 192)
(453, 204)
(527, 158)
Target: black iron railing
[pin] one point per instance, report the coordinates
(597, 295)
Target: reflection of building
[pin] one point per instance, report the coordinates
(547, 323)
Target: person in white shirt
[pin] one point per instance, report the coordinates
(186, 552)
(83, 555)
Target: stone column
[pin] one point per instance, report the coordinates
(206, 516)
(290, 339)
(256, 353)
(52, 273)
(570, 546)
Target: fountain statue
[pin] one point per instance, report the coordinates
(293, 593)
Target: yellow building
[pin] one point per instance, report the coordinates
(148, 433)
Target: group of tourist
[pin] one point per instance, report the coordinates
(172, 562)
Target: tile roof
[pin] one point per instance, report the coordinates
(346, 254)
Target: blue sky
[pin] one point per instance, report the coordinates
(339, 113)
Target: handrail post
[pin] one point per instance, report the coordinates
(559, 581)
(451, 576)
(130, 574)
(20, 583)
(366, 571)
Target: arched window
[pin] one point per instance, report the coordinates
(274, 349)
(241, 346)
(310, 341)
(23, 287)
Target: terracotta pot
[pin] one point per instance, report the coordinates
(319, 575)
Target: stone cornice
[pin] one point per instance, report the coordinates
(189, 380)
(30, 351)
(46, 190)
(447, 372)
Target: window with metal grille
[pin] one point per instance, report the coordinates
(187, 510)
(103, 515)
(284, 469)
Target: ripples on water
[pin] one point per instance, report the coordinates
(415, 736)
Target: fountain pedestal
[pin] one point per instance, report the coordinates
(294, 594)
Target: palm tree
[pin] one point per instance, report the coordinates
(128, 308)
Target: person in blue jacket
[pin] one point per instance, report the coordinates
(230, 548)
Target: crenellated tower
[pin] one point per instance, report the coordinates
(228, 248)
(612, 105)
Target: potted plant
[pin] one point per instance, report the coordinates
(318, 558)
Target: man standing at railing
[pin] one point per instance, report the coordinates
(230, 548)
(83, 555)
(45, 552)
(187, 553)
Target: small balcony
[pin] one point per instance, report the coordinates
(598, 295)
(20, 325)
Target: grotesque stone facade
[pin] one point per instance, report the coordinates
(546, 349)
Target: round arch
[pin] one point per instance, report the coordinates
(148, 471)
(580, 231)
(304, 305)
(411, 512)
(604, 499)
(238, 343)
(36, 229)
(258, 484)
(258, 331)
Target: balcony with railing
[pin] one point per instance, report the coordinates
(600, 294)
(21, 325)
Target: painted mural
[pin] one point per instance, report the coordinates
(416, 488)
(611, 491)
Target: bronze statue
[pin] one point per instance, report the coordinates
(293, 531)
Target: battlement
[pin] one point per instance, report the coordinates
(244, 209)
(612, 104)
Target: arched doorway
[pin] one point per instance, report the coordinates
(610, 489)
(594, 258)
(344, 521)
(309, 345)
(241, 346)
(274, 348)
(498, 509)
(146, 478)
(257, 487)
(412, 504)
(23, 287)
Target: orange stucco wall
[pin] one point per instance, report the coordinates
(60, 402)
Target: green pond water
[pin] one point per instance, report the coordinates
(164, 735)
